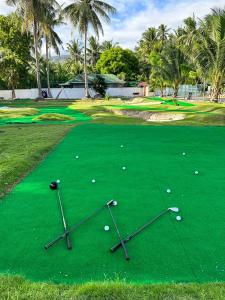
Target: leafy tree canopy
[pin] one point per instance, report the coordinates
(120, 62)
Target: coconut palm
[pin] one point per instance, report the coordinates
(107, 45)
(173, 65)
(208, 50)
(32, 12)
(162, 34)
(93, 51)
(52, 18)
(75, 50)
(86, 14)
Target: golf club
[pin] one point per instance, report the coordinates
(140, 229)
(73, 228)
(68, 242)
(118, 233)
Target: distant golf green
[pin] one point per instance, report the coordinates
(155, 159)
(76, 115)
(171, 101)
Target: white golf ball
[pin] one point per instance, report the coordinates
(93, 181)
(76, 156)
(115, 203)
(178, 218)
(184, 153)
(124, 168)
(196, 172)
(106, 228)
(168, 191)
(58, 181)
(121, 146)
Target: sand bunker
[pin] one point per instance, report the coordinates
(152, 116)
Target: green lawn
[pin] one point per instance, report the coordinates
(154, 161)
(169, 251)
(22, 147)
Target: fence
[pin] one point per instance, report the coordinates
(72, 93)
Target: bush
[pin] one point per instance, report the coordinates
(99, 85)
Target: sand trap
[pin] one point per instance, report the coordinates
(152, 116)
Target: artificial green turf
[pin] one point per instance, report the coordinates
(171, 101)
(169, 251)
(78, 116)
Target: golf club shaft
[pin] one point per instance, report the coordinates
(139, 230)
(119, 236)
(73, 228)
(68, 242)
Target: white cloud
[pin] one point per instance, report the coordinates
(130, 22)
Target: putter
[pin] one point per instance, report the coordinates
(73, 228)
(118, 234)
(140, 229)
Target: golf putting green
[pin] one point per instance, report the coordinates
(78, 117)
(167, 251)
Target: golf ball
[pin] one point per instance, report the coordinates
(106, 228)
(58, 181)
(196, 173)
(178, 218)
(168, 191)
(183, 153)
(121, 146)
(115, 203)
(124, 168)
(76, 156)
(93, 181)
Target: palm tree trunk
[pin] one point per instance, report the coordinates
(13, 93)
(86, 91)
(47, 69)
(176, 89)
(37, 59)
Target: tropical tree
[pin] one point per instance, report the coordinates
(162, 35)
(107, 45)
(51, 19)
(207, 50)
(93, 51)
(75, 50)
(120, 62)
(86, 14)
(32, 12)
(11, 66)
(15, 46)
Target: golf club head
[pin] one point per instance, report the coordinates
(110, 203)
(174, 209)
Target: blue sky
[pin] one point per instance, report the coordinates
(135, 16)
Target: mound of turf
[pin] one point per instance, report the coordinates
(53, 117)
(6, 113)
(171, 101)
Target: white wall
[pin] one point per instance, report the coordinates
(71, 93)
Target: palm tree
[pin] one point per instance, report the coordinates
(207, 50)
(173, 66)
(75, 50)
(52, 18)
(93, 51)
(162, 34)
(107, 45)
(32, 12)
(85, 14)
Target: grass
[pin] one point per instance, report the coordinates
(18, 288)
(22, 147)
(53, 117)
(17, 112)
(177, 257)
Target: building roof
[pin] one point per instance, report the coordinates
(109, 79)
